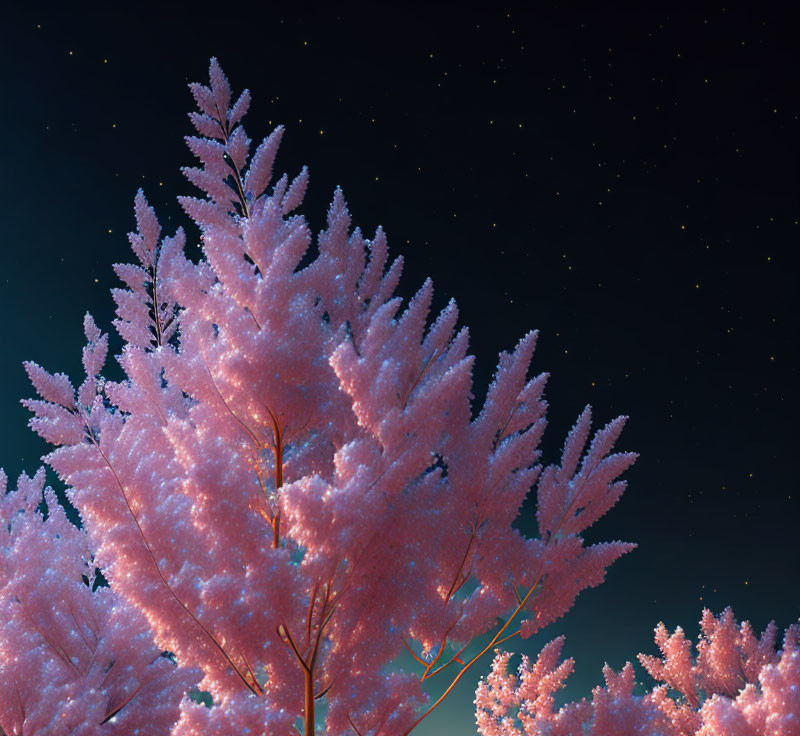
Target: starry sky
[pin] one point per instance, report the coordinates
(624, 182)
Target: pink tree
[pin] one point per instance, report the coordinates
(289, 483)
(738, 686)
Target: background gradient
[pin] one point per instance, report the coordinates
(625, 182)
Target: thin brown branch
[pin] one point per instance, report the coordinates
(322, 693)
(105, 674)
(310, 613)
(59, 651)
(257, 687)
(275, 520)
(315, 651)
(330, 614)
(283, 632)
(355, 728)
(157, 318)
(79, 629)
(516, 591)
(225, 403)
(574, 499)
(440, 653)
(454, 658)
(510, 636)
(160, 574)
(500, 436)
(19, 700)
(419, 377)
(277, 439)
(477, 656)
(457, 585)
(116, 710)
(265, 512)
(411, 652)
(453, 589)
(223, 126)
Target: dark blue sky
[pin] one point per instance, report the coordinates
(626, 183)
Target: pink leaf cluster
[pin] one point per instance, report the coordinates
(87, 665)
(289, 483)
(737, 686)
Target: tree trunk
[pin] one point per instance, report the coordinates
(308, 709)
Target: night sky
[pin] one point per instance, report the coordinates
(626, 183)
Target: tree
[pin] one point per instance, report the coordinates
(289, 483)
(738, 686)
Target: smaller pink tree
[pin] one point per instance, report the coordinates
(738, 686)
(87, 662)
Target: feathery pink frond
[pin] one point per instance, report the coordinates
(767, 703)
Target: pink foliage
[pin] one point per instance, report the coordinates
(87, 665)
(738, 686)
(289, 483)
